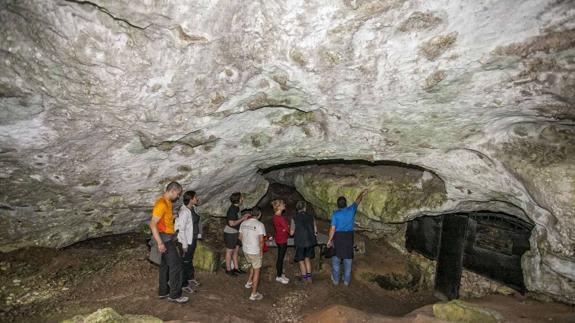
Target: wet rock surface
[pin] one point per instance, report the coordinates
(104, 102)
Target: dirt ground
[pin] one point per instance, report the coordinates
(45, 285)
(114, 272)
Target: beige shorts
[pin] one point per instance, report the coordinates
(254, 260)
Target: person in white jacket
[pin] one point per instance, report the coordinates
(189, 231)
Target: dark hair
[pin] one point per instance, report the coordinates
(246, 211)
(341, 202)
(188, 196)
(256, 211)
(235, 197)
(173, 186)
(300, 206)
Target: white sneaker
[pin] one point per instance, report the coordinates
(181, 299)
(285, 278)
(248, 285)
(282, 280)
(256, 297)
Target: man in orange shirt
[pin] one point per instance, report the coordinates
(162, 226)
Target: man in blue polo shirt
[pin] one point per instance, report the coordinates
(341, 237)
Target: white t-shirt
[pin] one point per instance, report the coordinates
(251, 230)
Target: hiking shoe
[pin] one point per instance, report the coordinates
(256, 297)
(282, 280)
(231, 273)
(239, 271)
(188, 290)
(248, 285)
(180, 300)
(193, 283)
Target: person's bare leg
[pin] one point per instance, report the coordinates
(251, 278)
(307, 265)
(302, 269)
(236, 252)
(256, 280)
(229, 258)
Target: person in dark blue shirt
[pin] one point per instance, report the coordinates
(341, 237)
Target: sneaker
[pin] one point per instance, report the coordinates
(188, 290)
(335, 283)
(285, 278)
(180, 300)
(256, 297)
(163, 296)
(193, 283)
(239, 271)
(231, 273)
(248, 285)
(282, 280)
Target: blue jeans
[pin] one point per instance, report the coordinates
(335, 265)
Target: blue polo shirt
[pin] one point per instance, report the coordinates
(342, 219)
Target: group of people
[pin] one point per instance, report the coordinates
(244, 229)
(176, 240)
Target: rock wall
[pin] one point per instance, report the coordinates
(103, 102)
(396, 194)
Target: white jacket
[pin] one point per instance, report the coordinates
(185, 226)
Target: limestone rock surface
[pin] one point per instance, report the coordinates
(395, 195)
(103, 102)
(460, 311)
(108, 315)
(205, 258)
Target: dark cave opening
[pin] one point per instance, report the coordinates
(487, 243)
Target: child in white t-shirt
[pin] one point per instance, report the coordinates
(252, 233)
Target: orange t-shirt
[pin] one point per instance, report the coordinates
(163, 210)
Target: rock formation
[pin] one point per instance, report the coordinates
(103, 102)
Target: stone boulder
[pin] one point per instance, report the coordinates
(395, 194)
(108, 315)
(460, 311)
(206, 258)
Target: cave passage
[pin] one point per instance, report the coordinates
(489, 244)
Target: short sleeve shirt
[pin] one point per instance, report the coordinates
(232, 215)
(251, 230)
(343, 219)
(163, 211)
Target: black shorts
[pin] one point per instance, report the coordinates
(232, 240)
(302, 253)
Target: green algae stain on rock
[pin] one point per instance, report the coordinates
(184, 169)
(460, 311)
(206, 258)
(394, 192)
(298, 118)
(257, 140)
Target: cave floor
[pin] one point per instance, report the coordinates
(47, 285)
